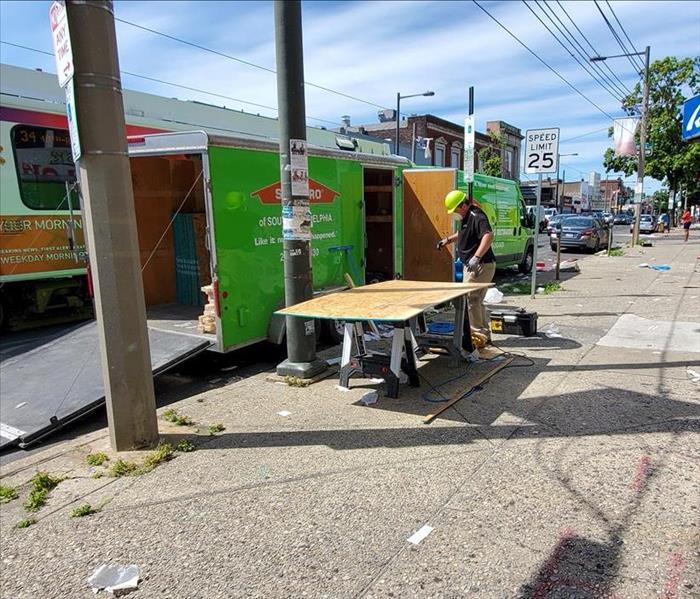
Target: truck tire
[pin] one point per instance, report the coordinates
(526, 264)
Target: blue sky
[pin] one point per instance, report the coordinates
(371, 50)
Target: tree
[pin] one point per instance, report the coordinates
(490, 156)
(671, 159)
(660, 200)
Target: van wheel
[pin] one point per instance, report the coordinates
(525, 265)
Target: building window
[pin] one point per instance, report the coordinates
(509, 162)
(454, 158)
(440, 144)
(44, 164)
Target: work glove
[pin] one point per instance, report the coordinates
(474, 265)
(442, 243)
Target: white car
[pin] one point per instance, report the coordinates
(646, 224)
(549, 213)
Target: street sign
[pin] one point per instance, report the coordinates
(541, 151)
(691, 119)
(72, 122)
(61, 42)
(469, 140)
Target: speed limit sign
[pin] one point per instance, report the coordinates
(541, 151)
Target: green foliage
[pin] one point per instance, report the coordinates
(162, 453)
(26, 523)
(42, 484)
(36, 499)
(295, 381)
(185, 446)
(490, 156)
(552, 286)
(44, 481)
(83, 510)
(96, 459)
(122, 468)
(7, 494)
(617, 252)
(671, 82)
(177, 418)
(216, 428)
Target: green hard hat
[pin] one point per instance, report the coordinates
(454, 199)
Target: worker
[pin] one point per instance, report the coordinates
(474, 240)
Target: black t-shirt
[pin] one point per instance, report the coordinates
(474, 226)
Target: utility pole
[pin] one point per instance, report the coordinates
(413, 144)
(110, 225)
(639, 191)
(296, 215)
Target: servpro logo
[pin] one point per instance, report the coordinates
(318, 193)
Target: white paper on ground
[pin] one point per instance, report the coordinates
(284, 413)
(635, 332)
(114, 577)
(420, 534)
(369, 398)
(694, 375)
(552, 331)
(343, 389)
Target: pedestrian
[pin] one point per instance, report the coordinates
(474, 240)
(686, 220)
(666, 222)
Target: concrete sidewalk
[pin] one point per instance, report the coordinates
(575, 474)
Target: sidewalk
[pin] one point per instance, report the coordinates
(577, 476)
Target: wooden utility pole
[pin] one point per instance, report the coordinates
(110, 226)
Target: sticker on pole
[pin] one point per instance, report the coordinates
(296, 222)
(62, 50)
(469, 140)
(72, 122)
(541, 151)
(299, 163)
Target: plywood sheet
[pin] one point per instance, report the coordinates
(426, 222)
(386, 301)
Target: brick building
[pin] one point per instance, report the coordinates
(445, 139)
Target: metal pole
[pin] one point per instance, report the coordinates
(556, 274)
(563, 189)
(470, 185)
(413, 144)
(642, 150)
(533, 284)
(296, 245)
(559, 206)
(398, 113)
(110, 227)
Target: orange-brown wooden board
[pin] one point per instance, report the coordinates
(426, 222)
(387, 301)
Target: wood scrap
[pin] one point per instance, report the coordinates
(207, 321)
(458, 396)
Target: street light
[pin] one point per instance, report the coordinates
(559, 204)
(639, 190)
(399, 97)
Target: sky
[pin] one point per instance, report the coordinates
(372, 50)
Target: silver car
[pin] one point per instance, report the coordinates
(646, 224)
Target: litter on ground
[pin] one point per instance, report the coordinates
(420, 534)
(343, 389)
(369, 398)
(552, 331)
(114, 577)
(284, 413)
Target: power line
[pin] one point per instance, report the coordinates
(585, 134)
(595, 52)
(635, 66)
(178, 85)
(581, 51)
(583, 65)
(517, 39)
(241, 61)
(623, 31)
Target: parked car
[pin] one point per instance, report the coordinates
(608, 218)
(540, 219)
(581, 232)
(621, 219)
(646, 224)
(549, 213)
(553, 222)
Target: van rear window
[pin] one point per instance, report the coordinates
(44, 164)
